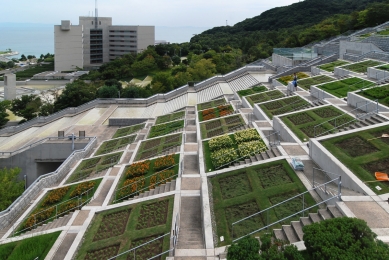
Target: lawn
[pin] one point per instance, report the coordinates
(377, 93)
(241, 193)
(308, 82)
(342, 87)
(154, 147)
(361, 67)
(164, 129)
(221, 126)
(286, 79)
(212, 103)
(330, 66)
(384, 67)
(142, 176)
(364, 153)
(169, 117)
(30, 248)
(118, 230)
(303, 124)
(251, 91)
(265, 96)
(128, 130)
(384, 32)
(283, 106)
(30, 72)
(116, 144)
(93, 166)
(215, 112)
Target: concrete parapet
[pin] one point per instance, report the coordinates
(377, 74)
(126, 121)
(341, 72)
(364, 104)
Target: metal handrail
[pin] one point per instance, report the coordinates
(277, 134)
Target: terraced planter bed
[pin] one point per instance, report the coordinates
(342, 87)
(331, 66)
(118, 230)
(221, 126)
(265, 96)
(164, 129)
(169, 117)
(241, 193)
(251, 91)
(128, 130)
(94, 165)
(286, 79)
(364, 153)
(116, 144)
(212, 103)
(384, 67)
(303, 124)
(307, 83)
(220, 151)
(283, 106)
(154, 147)
(361, 67)
(377, 93)
(215, 112)
(142, 176)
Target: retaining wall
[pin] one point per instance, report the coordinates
(364, 104)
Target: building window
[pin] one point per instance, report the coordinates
(92, 22)
(99, 22)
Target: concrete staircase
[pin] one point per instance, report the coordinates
(209, 93)
(294, 232)
(169, 186)
(271, 153)
(375, 119)
(56, 223)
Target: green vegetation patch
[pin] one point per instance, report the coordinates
(115, 144)
(265, 96)
(331, 66)
(30, 72)
(342, 87)
(252, 91)
(307, 83)
(212, 103)
(94, 165)
(286, 79)
(164, 129)
(211, 113)
(221, 126)
(377, 93)
(364, 153)
(283, 106)
(256, 188)
(154, 147)
(169, 117)
(361, 67)
(128, 130)
(30, 248)
(10, 186)
(384, 67)
(316, 122)
(139, 223)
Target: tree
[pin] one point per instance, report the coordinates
(202, 69)
(10, 187)
(107, 92)
(23, 58)
(162, 82)
(27, 106)
(75, 94)
(176, 60)
(246, 249)
(4, 105)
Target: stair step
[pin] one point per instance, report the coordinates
(265, 156)
(161, 188)
(324, 214)
(151, 192)
(156, 190)
(253, 159)
(290, 234)
(298, 229)
(269, 153)
(247, 161)
(259, 158)
(173, 185)
(236, 164)
(314, 217)
(167, 187)
(276, 152)
(279, 234)
(241, 163)
(335, 211)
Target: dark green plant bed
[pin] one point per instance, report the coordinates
(307, 83)
(136, 225)
(283, 106)
(384, 67)
(164, 129)
(240, 193)
(265, 96)
(221, 126)
(154, 147)
(286, 79)
(128, 130)
(303, 124)
(212, 103)
(30, 72)
(361, 67)
(169, 117)
(251, 91)
(342, 87)
(331, 66)
(377, 93)
(216, 112)
(363, 156)
(114, 145)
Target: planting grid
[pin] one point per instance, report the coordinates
(377, 93)
(164, 129)
(307, 83)
(154, 147)
(240, 193)
(221, 126)
(138, 223)
(115, 144)
(361, 67)
(286, 79)
(128, 130)
(169, 117)
(252, 91)
(330, 66)
(362, 155)
(210, 104)
(216, 112)
(303, 124)
(342, 87)
(283, 106)
(265, 96)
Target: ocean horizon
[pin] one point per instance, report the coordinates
(37, 39)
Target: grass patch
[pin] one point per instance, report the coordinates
(307, 83)
(221, 126)
(128, 130)
(252, 91)
(283, 106)
(30, 72)
(154, 147)
(286, 79)
(361, 67)
(169, 117)
(331, 66)
(377, 93)
(384, 67)
(256, 188)
(30, 248)
(342, 87)
(93, 166)
(215, 112)
(212, 103)
(114, 145)
(362, 156)
(384, 32)
(164, 129)
(142, 222)
(265, 96)
(303, 124)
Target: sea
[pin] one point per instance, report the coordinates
(37, 39)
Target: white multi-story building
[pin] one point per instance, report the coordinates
(96, 41)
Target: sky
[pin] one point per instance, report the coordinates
(172, 13)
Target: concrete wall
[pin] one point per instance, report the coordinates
(9, 86)
(359, 48)
(340, 72)
(146, 37)
(125, 121)
(286, 134)
(377, 74)
(279, 60)
(364, 104)
(319, 93)
(315, 70)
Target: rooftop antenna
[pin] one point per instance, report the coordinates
(96, 14)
